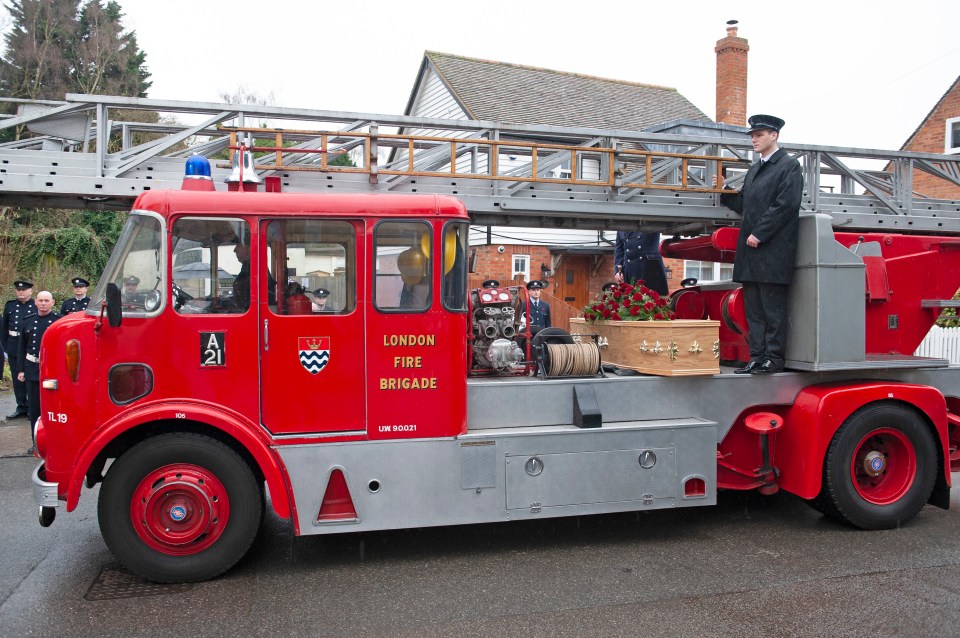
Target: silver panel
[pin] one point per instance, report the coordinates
(719, 398)
(590, 477)
(478, 464)
(421, 482)
(827, 312)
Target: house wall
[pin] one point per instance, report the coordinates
(434, 100)
(491, 264)
(931, 138)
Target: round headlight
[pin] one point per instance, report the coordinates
(152, 302)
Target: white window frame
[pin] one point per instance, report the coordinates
(951, 122)
(513, 266)
(716, 270)
(590, 167)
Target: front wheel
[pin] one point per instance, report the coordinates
(880, 467)
(180, 507)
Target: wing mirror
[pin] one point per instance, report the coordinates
(114, 311)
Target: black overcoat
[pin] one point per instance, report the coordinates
(770, 205)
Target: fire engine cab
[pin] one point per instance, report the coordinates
(325, 350)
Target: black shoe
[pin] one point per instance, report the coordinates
(747, 369)
(32, 451)
(767, 367)
(16, 415)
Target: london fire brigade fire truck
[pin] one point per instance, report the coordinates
(325, 350)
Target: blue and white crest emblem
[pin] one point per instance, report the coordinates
(314, 353)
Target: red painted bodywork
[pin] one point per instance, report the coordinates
(261, 392)
(798, 448)
(912, 270)
(818, 411)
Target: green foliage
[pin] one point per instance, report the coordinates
(948, 318)
(50, 246)
(343, 159)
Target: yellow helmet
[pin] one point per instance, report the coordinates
(449, 248)
(411, 263)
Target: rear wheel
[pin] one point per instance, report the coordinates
(880, 467)
(180, 507)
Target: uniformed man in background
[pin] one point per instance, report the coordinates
(637, 257)
(130, 294)
(80, 300)
(320, 296)
(32, 328)
(539, 310)
(14, 312)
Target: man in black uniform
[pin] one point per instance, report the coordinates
(28, 359)
(767, 247)
(80, 299)
(637, 257)
(241, 284)
(320, 296)
(539, 310)
(130, 294)
(14, 312)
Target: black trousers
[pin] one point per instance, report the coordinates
(19, 389)
(33, 404)
(766, 310)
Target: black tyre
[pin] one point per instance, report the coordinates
(880, 467)
(180, 507)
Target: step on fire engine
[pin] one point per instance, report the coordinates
(324, 348)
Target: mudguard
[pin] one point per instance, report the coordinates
(819, 411)
(232, 424)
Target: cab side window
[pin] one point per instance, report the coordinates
(402, 266)
(311, 267)
(211, 266)
(455, 243)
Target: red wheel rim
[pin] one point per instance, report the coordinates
(884, 466)
(179, 509)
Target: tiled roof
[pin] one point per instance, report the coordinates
(516, 94)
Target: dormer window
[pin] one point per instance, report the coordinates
(952, 136)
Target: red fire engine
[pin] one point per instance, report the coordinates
(325, 350)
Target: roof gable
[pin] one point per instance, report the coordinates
(907, 146)
(516, 94)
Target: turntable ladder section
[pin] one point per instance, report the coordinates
(88, 152)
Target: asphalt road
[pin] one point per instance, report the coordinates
(751, 566)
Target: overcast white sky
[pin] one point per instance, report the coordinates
(841, 72)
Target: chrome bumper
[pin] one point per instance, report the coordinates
(44, 493)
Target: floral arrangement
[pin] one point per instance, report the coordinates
(628, 302)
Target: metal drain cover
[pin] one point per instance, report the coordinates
(114, 581)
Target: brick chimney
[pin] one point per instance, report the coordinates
(732, 77)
